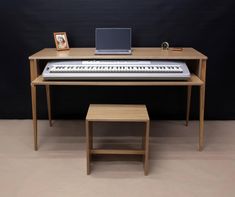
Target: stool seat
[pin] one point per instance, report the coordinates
(117, 113)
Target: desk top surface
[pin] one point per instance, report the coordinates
(137, 53)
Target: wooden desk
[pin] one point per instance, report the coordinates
(194, 59)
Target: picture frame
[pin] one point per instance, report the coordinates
(61, 41)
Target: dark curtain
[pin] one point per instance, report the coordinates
(206, 25)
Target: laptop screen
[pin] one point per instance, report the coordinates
(113, 38)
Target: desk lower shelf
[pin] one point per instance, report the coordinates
(193, 81)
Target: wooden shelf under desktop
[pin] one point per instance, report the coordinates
(193, 81)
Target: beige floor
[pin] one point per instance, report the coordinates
(58, 168)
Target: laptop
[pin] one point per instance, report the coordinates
(113, 41)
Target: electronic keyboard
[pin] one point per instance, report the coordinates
(116, 70)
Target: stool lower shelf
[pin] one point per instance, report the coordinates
(116, 152)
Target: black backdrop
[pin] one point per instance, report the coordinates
(206, 25)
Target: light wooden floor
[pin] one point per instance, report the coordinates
(58, 169)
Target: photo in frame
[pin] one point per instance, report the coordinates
(61, 41)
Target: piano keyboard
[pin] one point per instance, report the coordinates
(119, 69)
(116, 70)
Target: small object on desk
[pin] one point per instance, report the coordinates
(61, 41)
(165, 46)
(176, 49)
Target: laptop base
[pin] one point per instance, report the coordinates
(112, 52)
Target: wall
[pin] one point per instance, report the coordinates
(206, 25)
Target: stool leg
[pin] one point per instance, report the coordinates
(143, 141)
(146, 158)
(91, 134)
(88, 155)
(143, 145)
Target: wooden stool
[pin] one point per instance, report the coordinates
(117, 113)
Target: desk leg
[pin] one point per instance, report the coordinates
(189, 92)
(88, 147)
(146, 155)
(34, 115)
(49, 103)
(202, 106)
